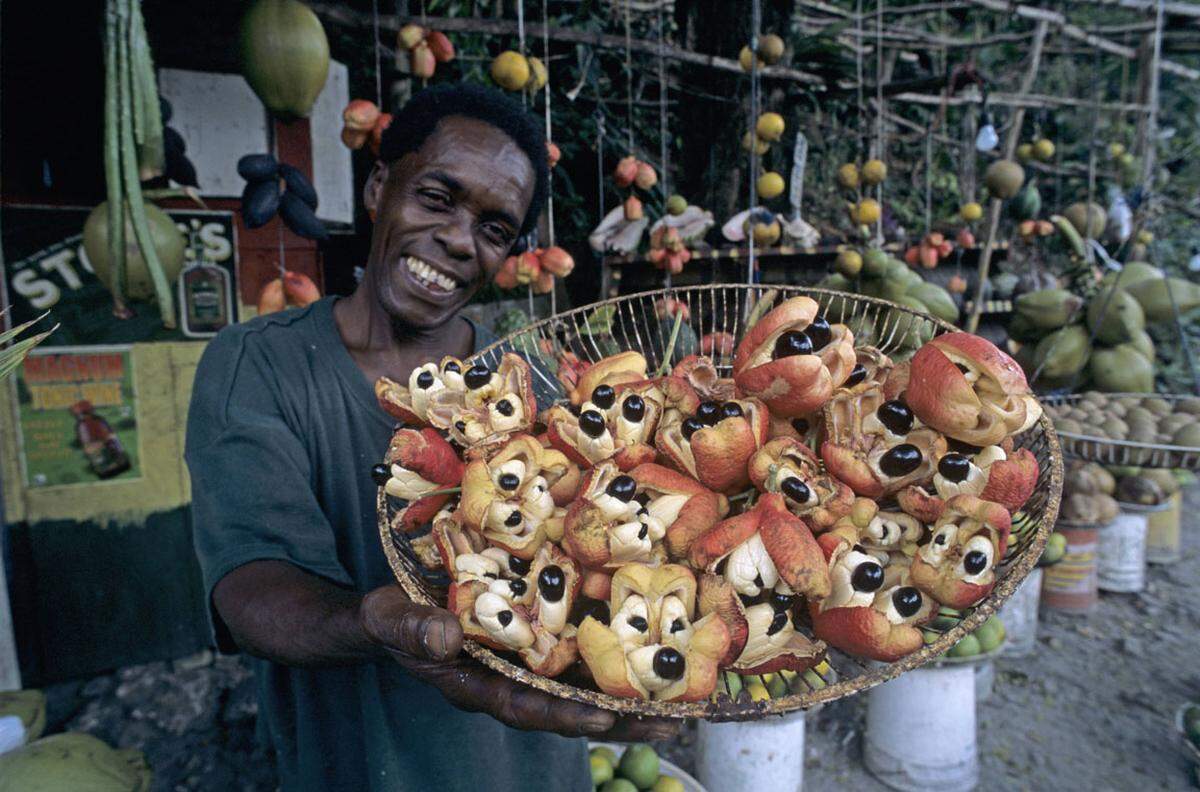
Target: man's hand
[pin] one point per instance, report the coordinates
(427, 641)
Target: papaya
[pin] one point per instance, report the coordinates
(1064, 352)
(937, 300)
(1133, 272)
(1121, 370)
(1153, 297)
(1048, 309)
(1115, 317)
(1089, 219)
(1027, 204)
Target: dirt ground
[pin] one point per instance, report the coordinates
(1091, 709)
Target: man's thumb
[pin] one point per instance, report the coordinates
(420, 631)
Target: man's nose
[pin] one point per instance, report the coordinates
(455, 237)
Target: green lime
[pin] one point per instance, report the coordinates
(990, 634)
(733, 683)
(608, 753)
(639, 764)
(618, 785)
(777, 686)
(666, 783)
(602, 769)
(875, 263)
(967, 647)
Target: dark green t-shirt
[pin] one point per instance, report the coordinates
(282, 434)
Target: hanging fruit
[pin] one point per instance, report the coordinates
(293, 290)
(553, 154)
(847, 176)
(633, 208)
(626, 171)
(409, 36)
(770, 185)
(426, 49)
(849, 262)
(770, 48)
(381, 124)
(646, 176)
(1004, 179)
(358, 119)
(769, 127)
(752, 141)
(667, 250)
(510, 70)
(874, 172)
(285, 55)
(1043, 150)
(865, 212)
(538, 76)
(676, 205)
(535, 268)
(273, 187)
(421, 61)
(168, 244)
(971, 212)
(441, 46)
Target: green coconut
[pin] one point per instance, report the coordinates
(165, 236)
(1089, 219)
(1064, 352)
(285, 55)
(1115, 317)
(1004, 178)
(1121, 370)
(1155, 295)
(937, 301)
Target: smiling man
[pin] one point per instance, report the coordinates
(360, 689)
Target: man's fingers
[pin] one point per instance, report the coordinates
(476, 689)
(419, 631)
(630, 728)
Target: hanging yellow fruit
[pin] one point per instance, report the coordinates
(874, 172)
(770, 48)
(770, 126)
(510, 70)
(1043, 150)
(1115, 150)
(750, 140)
(746, 59)
(849, 263)
(847, 176)
(770, 185)
(865, 212)
(1025, 152)
(971, 211)
(537, 74)
(285, 55)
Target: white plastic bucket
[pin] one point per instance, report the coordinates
(1020, 617)
(1162, 529)
(757, 755)
(1121, 558)
(921, 730)
(985, 680)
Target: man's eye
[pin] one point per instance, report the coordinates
(436, 196)
(497, 233)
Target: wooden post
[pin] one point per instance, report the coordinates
(1010, 147)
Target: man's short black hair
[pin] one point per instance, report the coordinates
(420, 116)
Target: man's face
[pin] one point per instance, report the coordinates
(448, 215)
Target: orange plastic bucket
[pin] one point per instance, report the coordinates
(1070, 585)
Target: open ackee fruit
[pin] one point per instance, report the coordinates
(660, 525)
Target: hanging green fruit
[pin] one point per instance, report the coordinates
(285, 55)
(165, 237)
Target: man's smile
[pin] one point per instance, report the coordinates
(428, 277)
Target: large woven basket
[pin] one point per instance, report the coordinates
(635, 325)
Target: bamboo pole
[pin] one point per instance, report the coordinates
(1010, 147)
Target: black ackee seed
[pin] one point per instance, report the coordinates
(491, 575)
(689, 427)
(504, 617)
(858, 549)
(940, 539)
(460, 426)
(708, 413)
(896, 416)
(505, 407)
(622, 488)
(637, 623)
(867, 576)
(800, 425)
(782, 602)
(676, 626)
(975, 562)
(642, 498)
(380, 474)
(552, 583)
(598, 610)
(513, 519)
(954, 467)
(424, 379)
(907, 601)
(758, 581)
(519, 566)
(731, 410)
(668, 663)
(603, 396)
(857, 375)
(819, 333)
(747, 600)
(795, 489)
(592, 423)
(961, 368)
(519, 587)
(642, 534)
(793, 342)
(477, 376)
(778, 622)
(633, 408)
(901, 460)
(508, 481)
(452, 367)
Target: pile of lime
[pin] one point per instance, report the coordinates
(986, 638)
(636, 769)
(764, 687)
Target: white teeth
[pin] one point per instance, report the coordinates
(428, 275)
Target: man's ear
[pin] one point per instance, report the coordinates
(373, 189)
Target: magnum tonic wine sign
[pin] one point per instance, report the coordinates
(77, 416)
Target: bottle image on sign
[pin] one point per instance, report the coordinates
(204, 292)
(100, 445)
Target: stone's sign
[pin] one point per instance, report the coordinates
(46, 269)
(77, 416)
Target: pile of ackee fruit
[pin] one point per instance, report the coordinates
(648, 532)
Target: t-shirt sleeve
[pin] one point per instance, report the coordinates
(252, 489)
